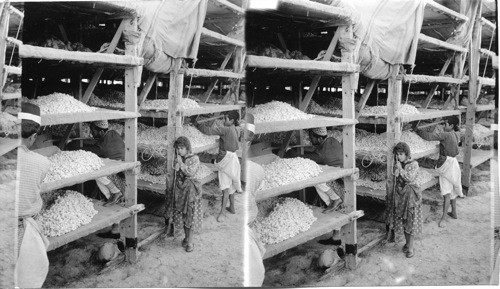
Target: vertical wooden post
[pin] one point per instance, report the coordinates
(129, 225)
(76, 82)
(393, 130)
(349, 85)
(475, 45)
(174, 119)
(237, 67)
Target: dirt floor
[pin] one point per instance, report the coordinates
(217, 260)
(459, 254)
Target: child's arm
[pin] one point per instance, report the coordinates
(191, 166)
(430, 136)
(410, 172)
(212, 130)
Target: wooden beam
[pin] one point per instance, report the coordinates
(4, 30)
(427, 39)
(490, 25)
(95, 79)
(210, 89)
(147, 88)
(473, 92)
(237, 68)
(98, 73)
(228, 5)
(349, 85)
(393, 132)
(174, 119)
(438, 8)
(428, 99)
(129, 225)
(364, 97)
(312, 88)
(221, 37)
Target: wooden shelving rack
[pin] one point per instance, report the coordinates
(483, 35)
(130, 62)
(435, 14)
(302, 70)
(233, 48)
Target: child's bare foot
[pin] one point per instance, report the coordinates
(441, 223)
(454, 216)
(221, 217)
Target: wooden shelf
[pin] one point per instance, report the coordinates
(110, 167)
(160, 188)
(478, 157)
(13, 95)
(105, 217)
(228, 5)
(487, 53)
(425, 114)
(328, 174)
(483, 107)
(8, 144)
(438, 8)
(195, 72)
(308, 66)
(13, 70)
(313, 11)
(363, 153)
(415, 78)
(221, 38)
(206, 108)
(14, 41)
(45, 53)
(380, 194)
(490, 25)
(99, 114)
(325, 223)
(484, 81)
(430, 42)
(157, 150)
(316, 121)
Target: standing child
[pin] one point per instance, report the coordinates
(226, 160)
(407, 198)
(184, 204)
(450, 178)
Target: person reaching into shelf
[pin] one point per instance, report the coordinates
(450, 178)
(32, 264)
(183, 203)
(405, 206)
(228, 165)
(328, 151)
(109, 144)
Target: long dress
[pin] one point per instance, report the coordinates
(184, 202)
(407, 200)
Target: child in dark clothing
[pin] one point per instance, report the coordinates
(450, 178)
(227, 160)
